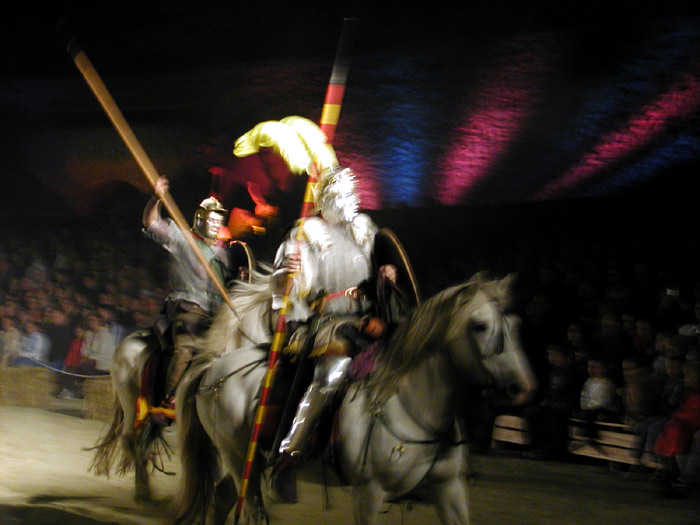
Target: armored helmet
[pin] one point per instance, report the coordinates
(209, 218)
(336, 195)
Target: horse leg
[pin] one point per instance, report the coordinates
(451, 501)
(225, 495)
(367, 498)
(135, 448)
(143, 489)
(254, 508)
(139, 451)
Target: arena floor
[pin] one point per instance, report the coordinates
(44, 479)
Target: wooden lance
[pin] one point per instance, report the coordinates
(115, 116)
(329, 121)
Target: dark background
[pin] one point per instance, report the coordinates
(540, 86)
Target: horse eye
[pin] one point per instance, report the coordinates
(479, 327)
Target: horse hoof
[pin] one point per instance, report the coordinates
(284, 486)
(143, 495)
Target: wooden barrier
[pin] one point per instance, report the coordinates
(613, 441)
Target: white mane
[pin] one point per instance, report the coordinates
(232, 327)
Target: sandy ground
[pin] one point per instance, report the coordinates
(44, 479)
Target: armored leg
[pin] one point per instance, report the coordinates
(329, 374)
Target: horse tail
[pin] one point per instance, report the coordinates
(197, 457)
(107, 447)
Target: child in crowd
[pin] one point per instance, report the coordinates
(598, 401)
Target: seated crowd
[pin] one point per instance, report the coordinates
(67, 299)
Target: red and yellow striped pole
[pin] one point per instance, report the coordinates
(339, 76)
(333, 101)
(329, 121)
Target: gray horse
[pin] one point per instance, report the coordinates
(125, 446)
(397, 430)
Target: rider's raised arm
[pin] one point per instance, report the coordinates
(152, 211)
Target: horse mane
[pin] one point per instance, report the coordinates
(428, 328)
(218, 339)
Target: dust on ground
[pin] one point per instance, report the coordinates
(44, 478)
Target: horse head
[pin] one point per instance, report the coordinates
(483, 339)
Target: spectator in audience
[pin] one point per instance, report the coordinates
(59, 331)
(109, 318)
(10, 340)
(692, 329)
(75, 363)
(548, 418)
(662, 347)
(639, 394)
(35, 346)
(612, 344)
(598, 400)
(643, 339)
(580, 352)
(99, 345)
(676, 437)
(671, 395)
(688, 480)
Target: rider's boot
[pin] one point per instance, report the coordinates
(329, 375)
(291, 447)
(165, 413)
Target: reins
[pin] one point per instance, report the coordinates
(216, 385)
(378, 415)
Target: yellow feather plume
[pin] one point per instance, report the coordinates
(299, 141)
(315, 140)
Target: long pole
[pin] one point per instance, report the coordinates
(117, 118)
(330, 115)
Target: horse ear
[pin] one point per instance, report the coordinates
(480, 277)
(507, 283)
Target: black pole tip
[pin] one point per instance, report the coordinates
(69, 40)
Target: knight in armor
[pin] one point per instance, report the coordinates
(336, 278)
(193, 297)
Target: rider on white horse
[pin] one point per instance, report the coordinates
(193, 297)
(332, 259)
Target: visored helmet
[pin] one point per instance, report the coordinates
(209, 218)
(336, 195)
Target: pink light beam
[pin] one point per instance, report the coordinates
(681, 100)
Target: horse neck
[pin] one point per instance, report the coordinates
(428, 393)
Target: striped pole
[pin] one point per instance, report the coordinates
(329, 120)
(339, 77)
(333, 101)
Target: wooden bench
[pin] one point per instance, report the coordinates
(613, 442)
(510, 429)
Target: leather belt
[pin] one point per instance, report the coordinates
(353, 293)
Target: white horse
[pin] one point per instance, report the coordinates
(141, 447)
(398, 434)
